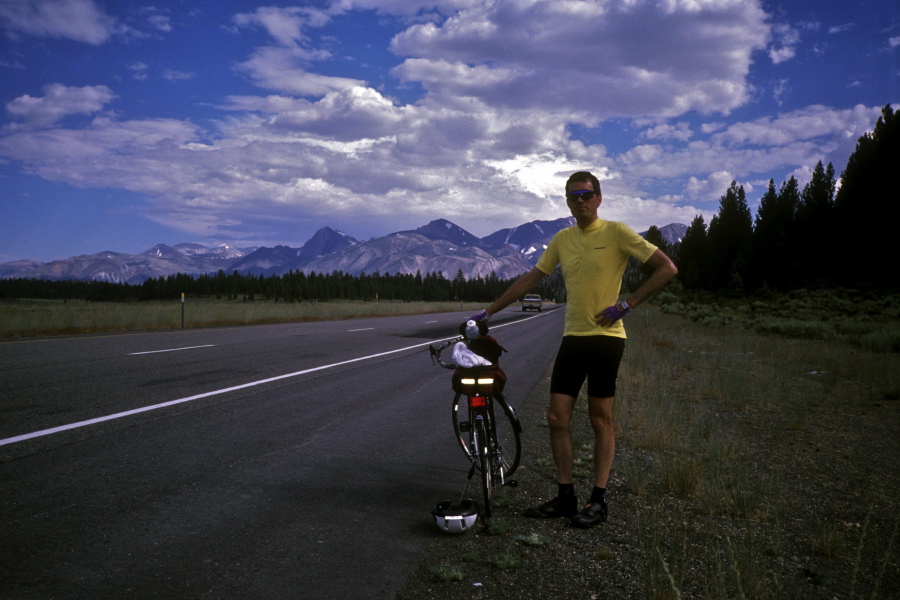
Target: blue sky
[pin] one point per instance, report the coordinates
(127, 124)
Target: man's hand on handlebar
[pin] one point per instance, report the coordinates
(482, 316)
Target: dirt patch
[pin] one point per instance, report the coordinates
(746, 467)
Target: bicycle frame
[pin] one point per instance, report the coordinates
(480, 401)
(476, 425)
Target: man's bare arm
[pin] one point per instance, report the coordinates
(519, 288)
(663, 270)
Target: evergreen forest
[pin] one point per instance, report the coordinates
(811, 238)
(295, 286)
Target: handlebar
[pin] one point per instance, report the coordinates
(436, 352)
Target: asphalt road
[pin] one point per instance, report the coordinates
(279, 461)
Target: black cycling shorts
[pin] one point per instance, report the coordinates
(595, 358)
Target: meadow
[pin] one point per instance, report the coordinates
(750, 465)
(24, 318)
(867, 320)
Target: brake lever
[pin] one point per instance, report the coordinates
(433, 354)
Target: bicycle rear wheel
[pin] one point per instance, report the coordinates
(506, 424)
(482, 442)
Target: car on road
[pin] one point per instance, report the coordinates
(531, 302)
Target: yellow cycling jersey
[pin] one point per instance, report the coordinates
(593, 261)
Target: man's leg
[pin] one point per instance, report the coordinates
(559, 417)
(600, 411)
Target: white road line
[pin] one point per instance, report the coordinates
(128, 413)
(363, 329)
(171, 350)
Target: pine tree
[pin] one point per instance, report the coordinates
(655, 237)
(771, 258)
(693, 255)
(813, 226)
(459, 286)
(729, 242)
(866, 198)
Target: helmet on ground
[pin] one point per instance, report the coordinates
(455, 518)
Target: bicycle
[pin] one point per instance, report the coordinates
(490, 438)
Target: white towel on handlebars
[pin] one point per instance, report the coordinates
(464, 357)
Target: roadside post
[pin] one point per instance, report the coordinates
(182, 310)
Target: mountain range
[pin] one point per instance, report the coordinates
(439, 246)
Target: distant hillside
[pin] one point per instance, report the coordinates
(672, 233)
(409, 252)
(440, 246)
(530, 239)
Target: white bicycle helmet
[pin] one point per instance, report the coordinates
(455, 519)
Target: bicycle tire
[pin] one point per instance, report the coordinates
(485, 457)
(506, 424)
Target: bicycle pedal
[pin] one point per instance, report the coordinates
(465, 426)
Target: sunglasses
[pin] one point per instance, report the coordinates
(580, 195)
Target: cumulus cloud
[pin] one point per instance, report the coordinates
(503, 83)
(285, 67)
(711, 127)
(79, 20)
(174, 75)
(285, 70)
(805, 124)
(411, 10)
(781, 89)
(744, 148)
(139, 70)
(354, 113)
(418, 162)
(666, 58)
(286, 25)
(58, 101)
(161, 22)
(785, 43)
(841, 28)
(641, 213)
(669, 131)
(376, 164)
(709, 188)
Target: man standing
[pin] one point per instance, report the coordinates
(593, 255)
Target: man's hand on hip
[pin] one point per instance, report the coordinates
(613, 313)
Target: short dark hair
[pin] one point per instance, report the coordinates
(584, 176)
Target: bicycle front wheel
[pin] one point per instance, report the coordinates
(506, 425)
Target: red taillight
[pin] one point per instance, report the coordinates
(477, 402)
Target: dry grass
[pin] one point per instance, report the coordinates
(692, 396)
(21, 319)
(747, 466)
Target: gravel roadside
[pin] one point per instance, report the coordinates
(519, 558)
(800, 501)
